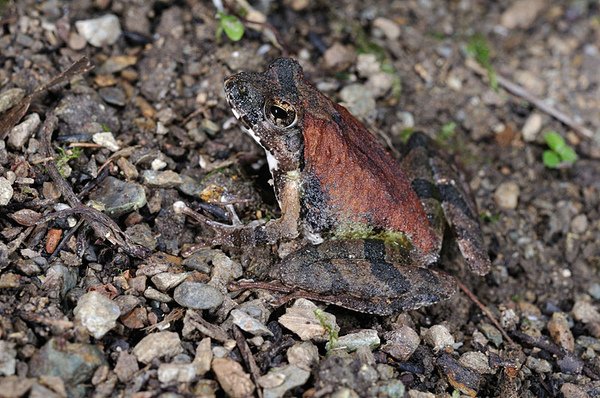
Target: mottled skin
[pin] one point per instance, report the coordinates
(381, 221)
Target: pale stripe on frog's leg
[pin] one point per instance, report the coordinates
(458, 207)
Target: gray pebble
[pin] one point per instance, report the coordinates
(280, 380)
(161, 179)
(119, 197)
(153, 294)
(20, 134)
(10, 97)
(197, 295)
(156, 345)
(352, 341)
(476, 361)
(249, 324)
(113, 95)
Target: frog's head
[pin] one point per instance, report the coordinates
(268, 105)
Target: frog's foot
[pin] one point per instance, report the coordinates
(224, 234)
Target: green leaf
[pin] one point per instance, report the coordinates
(567, 154)
(550, 159)
(554, 140)
(448, 131)
(231, 25)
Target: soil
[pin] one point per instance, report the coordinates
(149, 126)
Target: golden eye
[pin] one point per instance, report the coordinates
(280, 113)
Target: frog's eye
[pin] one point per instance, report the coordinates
(280, 113)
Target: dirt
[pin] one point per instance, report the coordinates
(152, 114)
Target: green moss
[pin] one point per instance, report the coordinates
(363, 231)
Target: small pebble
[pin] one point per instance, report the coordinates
(367, 65)
(304, 355)
(8, 358)
(352, 341)
(401, 343)
(532, 127)
(507, 195)
(97, 313)
(249, 324)
(74, 363)
(161, 179)
(559, 330)
(585, 312)
(521, 13)
(538, 365)
(113, 95)
(10, 98)
(197, 295)
(203, 357)
(283, 379)
(570, 390)
(579, 224)
(301, 318)
(6, 191)
(390, 29)
(153, 294)
(99, 32)
(119, 197)
(476, 361)
(231, 376)
(107, 140)
(168, 280)
(176, 372)
(156, 345)
(20, 134)
(359, 100)
(491, 333)
(126, 367)
(339, 57)
(439, 337)
(594, 290)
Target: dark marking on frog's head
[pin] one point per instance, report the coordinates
(269, 106)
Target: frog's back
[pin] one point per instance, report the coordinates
(364, 186)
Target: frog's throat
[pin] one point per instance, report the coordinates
(271, 160)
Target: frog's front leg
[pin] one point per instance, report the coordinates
(285, 227)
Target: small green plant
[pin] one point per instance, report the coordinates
(455, 394)
(489, 217)
(231, 25)
(447, 132)
(330, 329)
(66, 155)
(405, 134)
(559, 154)
(479, 49)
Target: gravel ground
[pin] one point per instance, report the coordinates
(103, 290)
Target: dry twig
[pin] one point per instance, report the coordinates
(242, 345)
(484, 309)
(103, 226)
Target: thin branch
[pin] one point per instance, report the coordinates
(484, 309)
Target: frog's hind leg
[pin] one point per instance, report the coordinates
(459, 209)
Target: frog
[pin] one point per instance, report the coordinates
(372, 225)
